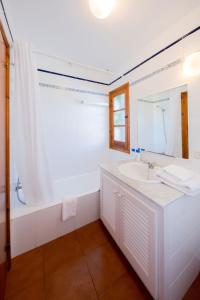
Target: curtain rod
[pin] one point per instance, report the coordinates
(153, 102)
(126, 73)
(71, 62)
(68, 76)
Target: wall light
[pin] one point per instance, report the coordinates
(191, 66)
(101, 8)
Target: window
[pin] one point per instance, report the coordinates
(119, 119)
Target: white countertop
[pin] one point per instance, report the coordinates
(159, 193)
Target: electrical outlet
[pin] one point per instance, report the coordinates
(197, 155)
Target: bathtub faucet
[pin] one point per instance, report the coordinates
(19, 187)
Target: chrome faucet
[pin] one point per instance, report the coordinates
(150, 164)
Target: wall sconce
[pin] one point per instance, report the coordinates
(101, 8)
(191, 66)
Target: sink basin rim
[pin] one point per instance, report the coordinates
(134, 176)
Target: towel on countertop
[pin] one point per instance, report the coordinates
(182, 179)
(177, 173)
(184, 189)
(69, 208)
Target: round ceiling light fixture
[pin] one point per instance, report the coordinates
(191, 66)
(101, 8)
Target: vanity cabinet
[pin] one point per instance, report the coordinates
(138, 237)
(133, 225)
(110, 191)
(161, 242)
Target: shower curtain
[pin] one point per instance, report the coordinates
(30, 157)
(173, 128)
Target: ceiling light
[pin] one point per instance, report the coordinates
(101, 8)
(191, 65)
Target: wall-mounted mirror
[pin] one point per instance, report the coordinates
(163, 122)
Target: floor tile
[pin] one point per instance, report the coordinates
(92, 236)
(83, 265)
(191, 295)
(27, 270)
(194, 291)
(60, 252)
(33, 292)
(126, 287)
(72, 282)
(106, 265)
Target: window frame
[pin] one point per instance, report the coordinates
(118, 145)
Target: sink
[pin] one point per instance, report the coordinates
(139, 171)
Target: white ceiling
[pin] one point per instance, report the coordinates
(67, 29)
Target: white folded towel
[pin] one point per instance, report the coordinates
(193, 184)
(184, 189)
(69, 208)
(178, 173)
(190, 186)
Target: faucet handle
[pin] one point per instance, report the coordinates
(151, 165)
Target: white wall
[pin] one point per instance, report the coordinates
(75, 134)
(55, 100)
(167, 79)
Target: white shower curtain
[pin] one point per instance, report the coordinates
(173, 128)
(30, 157)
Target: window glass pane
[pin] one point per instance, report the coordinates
(119, 101)
(119, 117)
(119, 134)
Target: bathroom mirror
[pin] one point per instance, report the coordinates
(163, 122)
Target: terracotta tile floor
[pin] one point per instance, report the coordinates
(83, 265)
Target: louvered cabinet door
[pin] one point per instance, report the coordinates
(109, 198)
(138, 238)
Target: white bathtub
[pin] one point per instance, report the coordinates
(32, 226)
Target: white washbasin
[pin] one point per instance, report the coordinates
(139, 171)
